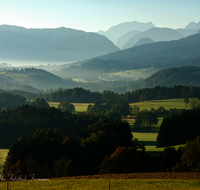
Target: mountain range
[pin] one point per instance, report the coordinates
(122, 33)
(157, 55)
(59, 45)
(115, 32)
(156, 34)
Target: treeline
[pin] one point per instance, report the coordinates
(177, 129)
(80, 95)
(8, 101)
(25, 94)
(24, 120)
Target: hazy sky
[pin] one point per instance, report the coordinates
(94, 15)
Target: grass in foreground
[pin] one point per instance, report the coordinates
(104, 184)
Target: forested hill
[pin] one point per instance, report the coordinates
(144, 56)
(189, 75)
(37, 78)
(156, 48)
(51, 45)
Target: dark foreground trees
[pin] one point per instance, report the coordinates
(49, 152)
(23, 121)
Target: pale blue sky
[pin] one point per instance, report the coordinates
(94, 15)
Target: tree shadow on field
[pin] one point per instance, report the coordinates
(148, 143)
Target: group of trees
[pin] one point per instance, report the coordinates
(177, 129)
(51, 153)
(147, 118)
(103, 147)
(24, 120)
(112, 109)
(9, 101)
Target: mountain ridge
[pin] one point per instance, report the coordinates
(51, 45)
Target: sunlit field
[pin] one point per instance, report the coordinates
(79, 107)
(167, 104)
(94, 184)
(129, 74)
(3, 155)
(18, 77)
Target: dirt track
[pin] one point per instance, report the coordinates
(160, 175)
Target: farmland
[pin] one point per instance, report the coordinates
(108, 181)
(3, 154)
(166, 103)
(128, 74)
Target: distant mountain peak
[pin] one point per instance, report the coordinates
(193, 26)
(117, 31)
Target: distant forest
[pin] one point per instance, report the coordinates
(80, 95)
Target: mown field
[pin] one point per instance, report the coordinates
(128, 74)
(16, 76)
(79, 107)
(94, 184)
(3, 154)
(167, 104)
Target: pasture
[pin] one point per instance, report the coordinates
(148, 138)
(166, 103)
(94, 184)
(128, 74)
(18, 77)
(79, 107)
(3, 155)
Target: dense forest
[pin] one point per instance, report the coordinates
(24, 120)
(189, 75)
(177, 129)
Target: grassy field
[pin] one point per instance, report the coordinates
(79, 107)
(129, 74)
(3, 154)
(18, 77)
(94, 184)
(167, 104)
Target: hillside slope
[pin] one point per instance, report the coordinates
(156, 34)
(189, 75)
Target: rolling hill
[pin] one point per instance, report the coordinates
(157, 55)
(188, 75)
(122, 40)
(143, 41)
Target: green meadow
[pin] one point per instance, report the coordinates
(79, 107)
(130, 74)
(18, 77)
(166, 103)
(95, 184)
(3, 154)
